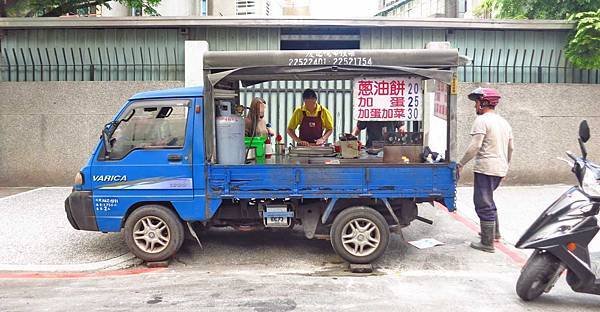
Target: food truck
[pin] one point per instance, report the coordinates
(173, 161)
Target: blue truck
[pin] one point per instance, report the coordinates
(155, 173)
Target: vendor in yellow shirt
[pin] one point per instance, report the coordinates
(313, 119)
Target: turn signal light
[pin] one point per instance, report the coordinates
(571, 247)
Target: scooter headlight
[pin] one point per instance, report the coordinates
(590, 183)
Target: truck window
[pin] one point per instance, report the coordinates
(150, 125)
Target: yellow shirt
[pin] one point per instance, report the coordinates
(297, 116)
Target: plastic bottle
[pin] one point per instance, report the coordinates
(268, 148)
(279, 146)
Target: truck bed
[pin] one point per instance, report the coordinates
(375, 180)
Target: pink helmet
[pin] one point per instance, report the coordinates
(485, 94)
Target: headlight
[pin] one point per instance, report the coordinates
(78, 178)
(590, 184)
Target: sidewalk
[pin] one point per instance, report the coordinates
(38, 237)
(518, 207)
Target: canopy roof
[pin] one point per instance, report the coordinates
(257, 66)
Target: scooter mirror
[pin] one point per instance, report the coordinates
(584, 131)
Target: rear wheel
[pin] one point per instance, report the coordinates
(359, 235)
(536, 275)
(153, 233)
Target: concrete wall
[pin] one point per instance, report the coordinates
(116, 10)
(545, 120)
(471, 6)
(164, 8)
(229, 8)
(221, 8)
(178, 8)
(49, 129)
(424, 8)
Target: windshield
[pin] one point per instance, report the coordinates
(149, 124)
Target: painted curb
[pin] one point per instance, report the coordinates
(120, 262)
(76, 275)
(515, 256)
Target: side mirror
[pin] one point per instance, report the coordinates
(584, 131)
(107, 132)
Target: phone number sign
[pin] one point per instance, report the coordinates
(388, 99)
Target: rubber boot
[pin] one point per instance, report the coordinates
(487, 237)
(497, 236)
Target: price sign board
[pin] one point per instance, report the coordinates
(441, 100)
(388, 99)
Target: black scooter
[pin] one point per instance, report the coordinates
(561, 234)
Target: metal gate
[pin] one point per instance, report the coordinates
(283, 97)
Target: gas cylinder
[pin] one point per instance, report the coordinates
(231, 149)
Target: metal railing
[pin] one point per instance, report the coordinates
(283, 97)
(523, 66)
(87, 64)
(134, 64)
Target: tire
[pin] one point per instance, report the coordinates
(153, 233)
(536, 275)
(359, 235)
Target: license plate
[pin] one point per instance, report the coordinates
(277, 216)
(277, 221)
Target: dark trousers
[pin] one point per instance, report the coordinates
(483, 196)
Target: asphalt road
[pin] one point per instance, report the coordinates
(258, 289)
(278, 270)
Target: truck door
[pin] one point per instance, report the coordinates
(150, 160)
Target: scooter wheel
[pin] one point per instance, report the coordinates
(536, 275)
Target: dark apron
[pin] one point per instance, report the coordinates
(311, 128)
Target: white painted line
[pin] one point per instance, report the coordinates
(22, 193)
(35, 190)
(57, 187)
(450, 274)
(126, 259)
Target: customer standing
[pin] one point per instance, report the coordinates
(255, 123)
(492, 146)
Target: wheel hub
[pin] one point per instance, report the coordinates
(361, 237)
(151, 234)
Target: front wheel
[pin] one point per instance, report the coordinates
(359, 235)
(153, 233)
(536, 275)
